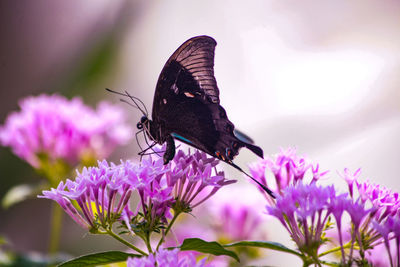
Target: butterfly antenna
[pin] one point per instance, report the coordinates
(144, 112)
(266, 189)
(141, 102)
(130, 104)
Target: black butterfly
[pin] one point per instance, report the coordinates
(186, 107)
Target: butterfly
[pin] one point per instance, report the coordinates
(186, 107)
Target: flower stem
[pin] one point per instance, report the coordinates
(167, 230)
(148, 242)
(348, 245)
(56, 222)
(126, 243)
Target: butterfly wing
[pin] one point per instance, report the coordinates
(186, 102)
(189, 70)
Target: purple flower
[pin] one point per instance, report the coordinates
(62, 129)
(381, 198)
(304, 210)
(148, 261)
(288, 169)
(351, 178)
(357, 212)
(149, 180)
(238, 223)
(384, 211)
(166, 258)
(336, 207)
(390, 230)
(191, 175)
(234, 218)
(101, 194)
(383, 201)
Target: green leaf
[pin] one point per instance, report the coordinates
(11, 259)
(207, 247)
(265, 244)
(20, 193)
(99, 258)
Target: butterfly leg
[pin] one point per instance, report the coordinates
(143, 152)
(169, 150)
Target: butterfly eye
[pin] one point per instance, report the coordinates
(139, 125)
(143, 119)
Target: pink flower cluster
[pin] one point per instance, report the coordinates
(192, 175)
(103, 193)
(383, 222)
(58, 128)
(304, 208)
(288, 169)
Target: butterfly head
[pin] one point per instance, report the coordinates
(147, 125)
(143, 123)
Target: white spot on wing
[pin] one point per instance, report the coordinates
(164, 101)
(188, 94)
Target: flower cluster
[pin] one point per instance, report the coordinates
(166, 258)
(191, 176)
(234, 218)
(382, 224)
(150, 183)
(305, 212)
(56, 128)
(306, 204)
(100, 196)
(306, 209)
(288, 169)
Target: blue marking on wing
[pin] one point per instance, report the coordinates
(177, 136)
(243, 137)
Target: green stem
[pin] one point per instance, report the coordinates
(56, 222)
(126, 243)
(167, 230)
(348, 245)
(148, 242)
(333, 264)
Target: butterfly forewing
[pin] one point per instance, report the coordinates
(189, 70)
(186, 101)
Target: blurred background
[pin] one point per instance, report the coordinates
(321, 76)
